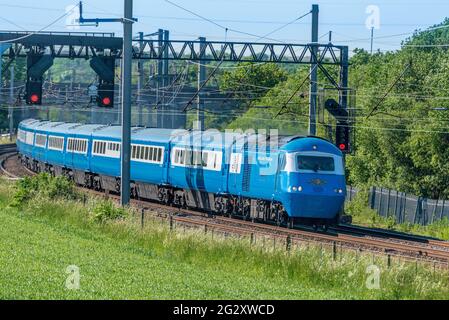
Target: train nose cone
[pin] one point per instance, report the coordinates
(316, 205)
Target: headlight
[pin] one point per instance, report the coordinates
(340, 191)
(296, 189)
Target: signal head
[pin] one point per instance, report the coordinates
(106, 101)
(34, 98)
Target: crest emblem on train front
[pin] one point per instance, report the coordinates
(318, 182)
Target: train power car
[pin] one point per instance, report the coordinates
(295, 180)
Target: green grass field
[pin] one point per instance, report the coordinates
(118, 260)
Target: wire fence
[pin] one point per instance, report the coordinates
(351, 193)
(404, 207)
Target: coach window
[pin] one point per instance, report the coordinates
(145, 153)
(142, 153)
(29, 138)
(205, 159)
(134, 152)
(55, 143)
(182, 155)
(177, 156)
(41, 140)
(112, 146)
(189, 158)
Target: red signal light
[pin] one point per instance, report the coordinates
(342, 146)
(34, 98)
(106, 101)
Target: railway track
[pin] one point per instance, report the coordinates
(390, 234)
(358, 238)
(398, 246)
(7, 151)
(353, 237)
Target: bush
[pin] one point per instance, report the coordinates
(43, 185)
(106, 210)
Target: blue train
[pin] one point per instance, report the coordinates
(282, 179)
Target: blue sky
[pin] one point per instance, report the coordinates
(346, 18)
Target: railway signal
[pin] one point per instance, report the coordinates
(342, 137)
(105, 98)
(342, 134)
(37, 65)
(104, 66)
(34, 92)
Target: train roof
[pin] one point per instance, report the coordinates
(153, 134)
(83, 129)
(299, 144)
(113, 132)
(138, 133)
(29, 123)
(209, 139)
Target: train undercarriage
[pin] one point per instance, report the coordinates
(215, 204)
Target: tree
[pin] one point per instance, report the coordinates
(242, 86)
(404, 144)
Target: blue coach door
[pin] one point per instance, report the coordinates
(90, 146)
(281, 165)
(190, 173)
(235, 167)
(70, 154)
